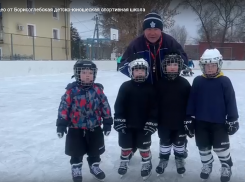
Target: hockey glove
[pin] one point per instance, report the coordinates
(232, 127)
(120, 125)
(99, 85)
(150, 128)
(189, 128)
(61, 130)
(107, 129)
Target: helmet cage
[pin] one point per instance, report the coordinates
(77, 75)
(169, 59)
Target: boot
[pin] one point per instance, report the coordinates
(97, 172)
(225, 173)
(180, 165)
(76, 170)
(123, 167)
(206, 171)
(163, 163)
(146, 169)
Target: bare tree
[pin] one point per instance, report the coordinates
(129, 24)
(230, 12)
(179, 33)
(219, 19)
(205, 13)
(214, 31)
(239, 31)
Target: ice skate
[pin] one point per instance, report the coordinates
(123, 167)
(146, 170)
(76, 170)
(97, 172)
(225, 173)
(161, 166)
(206, 171)
(180, 165)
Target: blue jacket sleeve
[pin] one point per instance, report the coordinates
(123, 67)
(190, 111)
(230, 100)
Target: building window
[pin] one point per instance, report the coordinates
(30, 4)
(31, 30)
(56, 34)
(55, 14)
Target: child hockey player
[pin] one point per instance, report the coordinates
(82, 108)
(136, 117)
(172, 93)
(212, 103)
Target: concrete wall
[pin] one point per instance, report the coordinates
(25, 68)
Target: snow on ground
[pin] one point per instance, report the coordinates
(30, 150)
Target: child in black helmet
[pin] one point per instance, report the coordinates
(172, 94)
(82, 109)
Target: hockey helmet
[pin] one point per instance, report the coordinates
(84, 65)
(138, 63)
(172, 58)
(211, 56)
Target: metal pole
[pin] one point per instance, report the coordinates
(51, 48)
(12, 47)
(33, 47)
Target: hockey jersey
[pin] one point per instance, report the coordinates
(172, 97)
(136, 102)
(212, 100)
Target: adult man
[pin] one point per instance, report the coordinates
(153, 45)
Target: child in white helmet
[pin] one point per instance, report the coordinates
(212, 103)
(135, 117)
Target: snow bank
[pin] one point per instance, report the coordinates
(24, 68)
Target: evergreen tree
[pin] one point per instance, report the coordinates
(75, 41)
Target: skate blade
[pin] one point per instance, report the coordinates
(205, 180)
(102, 180)
(146, 177)
(159, 174)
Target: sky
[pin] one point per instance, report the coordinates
(85, 26)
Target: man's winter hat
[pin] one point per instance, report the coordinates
(153, 20)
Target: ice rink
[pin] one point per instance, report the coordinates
(30, 150)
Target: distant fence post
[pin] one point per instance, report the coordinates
(51, 48)
(33, 46)
(12, 47)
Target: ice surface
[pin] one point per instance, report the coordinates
(30, 150)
